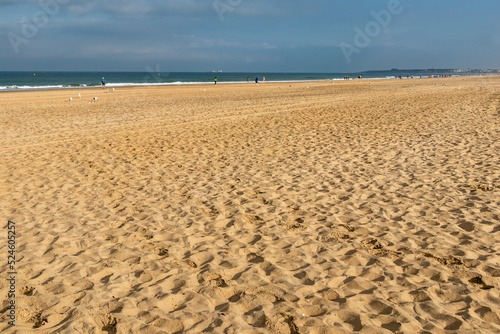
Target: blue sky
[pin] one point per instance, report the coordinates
(248, 35)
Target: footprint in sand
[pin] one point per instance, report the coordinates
(106, 323)
(297, 224)
(478, 280)
(213, 280)
(33, 317)
(170, 325)
(373, 246)
(486, 314)
(161, 251)
(27, 290)
(252, 220)
(481, 187)
(254, 258)
(467, 226)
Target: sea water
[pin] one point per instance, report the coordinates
(19, 81)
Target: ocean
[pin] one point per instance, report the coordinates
(21, 81)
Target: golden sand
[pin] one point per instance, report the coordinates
(363, 206)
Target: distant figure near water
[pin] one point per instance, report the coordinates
(103, 82)
(215, 81)
(256, 79)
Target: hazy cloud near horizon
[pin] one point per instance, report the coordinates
(244, 35)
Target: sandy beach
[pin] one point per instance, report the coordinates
(361, 206)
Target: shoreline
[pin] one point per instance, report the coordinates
(168, 84)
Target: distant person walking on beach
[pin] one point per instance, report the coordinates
(215, 81)
(256, 79)
(103, 82)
